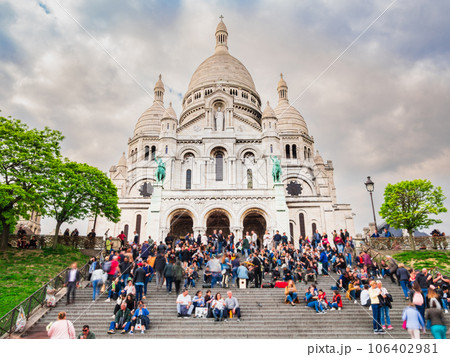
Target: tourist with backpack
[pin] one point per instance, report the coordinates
(98, 276)
(385, 304)
(374, 292)
(418, 299)
(436, 317)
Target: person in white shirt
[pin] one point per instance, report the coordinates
(267, 240)
(254, 240)
(184, 304)
(204, 239)
(218, 306)
(365, 298)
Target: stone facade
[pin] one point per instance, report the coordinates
(32, 225)
(217, 154)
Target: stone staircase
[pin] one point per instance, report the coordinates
(264, 315)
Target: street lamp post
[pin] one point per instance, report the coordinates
(370, 187)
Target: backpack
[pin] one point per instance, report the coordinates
(417, 299)
(107, 267)
(178, 272)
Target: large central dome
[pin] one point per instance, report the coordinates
(221, 68)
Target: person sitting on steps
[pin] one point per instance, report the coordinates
(312, 301)
(218, 306)
(309, 275)
(232, 306)
(122, 320)
(140, 317)
(184, 304)
(291, 293)
(336, 304)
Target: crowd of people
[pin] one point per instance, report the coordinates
(218, 261)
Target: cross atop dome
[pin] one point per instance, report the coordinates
(221, 36)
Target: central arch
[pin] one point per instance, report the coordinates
(254, 220)
(218, 219)
(181, 223)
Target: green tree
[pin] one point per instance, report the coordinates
(24, 157)
(408, 204)
(77, 191)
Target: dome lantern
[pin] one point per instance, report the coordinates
(159, 90)
(282, 89)
(221, 36)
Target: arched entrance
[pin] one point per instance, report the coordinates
(218, 220)
(181, 223)
(255, 221)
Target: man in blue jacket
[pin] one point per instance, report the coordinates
(324, 260)
(140, 317)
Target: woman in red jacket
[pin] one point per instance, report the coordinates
(336, 304)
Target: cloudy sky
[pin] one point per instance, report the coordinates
(380, 110)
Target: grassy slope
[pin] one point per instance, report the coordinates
(425, 259)
(22, 272)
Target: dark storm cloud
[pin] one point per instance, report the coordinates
(381, 110)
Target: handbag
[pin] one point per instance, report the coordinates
(103, 288)
(404, 325)
(201, 312)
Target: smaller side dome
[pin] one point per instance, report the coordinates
(318, 159)
(170, 112)
(122, 161)
(268, 112)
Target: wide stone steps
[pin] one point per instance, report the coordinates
(264, 315)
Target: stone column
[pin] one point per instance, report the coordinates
(282, 212)
(154, 213)
(237, 230)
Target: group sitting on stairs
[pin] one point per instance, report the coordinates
(273, 261)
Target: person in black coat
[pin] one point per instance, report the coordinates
(257, 270)
(160, 263)
(138, 281)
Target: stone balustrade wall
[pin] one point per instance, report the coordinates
(46, 241)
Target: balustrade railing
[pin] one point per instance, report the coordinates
(37, 299)
(404, 243)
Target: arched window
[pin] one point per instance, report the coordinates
(302, 225)
(125, 230)
(168, 126)
(305, 152)
(138, 224)
(294, 151)
(271, 148)
(153, 152)
(219, 166)
(147, 153)
(188, 179)
(309, 153)
(288, 152)
(314, 228)
(249, 179)
(167, 149)
(291, 231)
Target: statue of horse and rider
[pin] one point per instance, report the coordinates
(160, 171)
(276, 169)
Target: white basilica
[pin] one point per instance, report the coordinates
(217, 154)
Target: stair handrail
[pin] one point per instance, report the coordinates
(38, 298)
